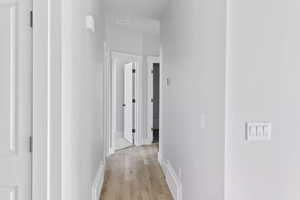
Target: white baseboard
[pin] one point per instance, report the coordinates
(173, 181)
(111, 151)
(148, 141)
(148, 138)
(119, 134)
(159, 157)
(98, 182)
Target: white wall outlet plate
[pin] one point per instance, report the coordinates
(258, 131)
(90, 23)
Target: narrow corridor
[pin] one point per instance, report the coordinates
(135, 174)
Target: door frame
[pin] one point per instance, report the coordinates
(150, 61)
(108, 104)
(138, 111)
(46, 156)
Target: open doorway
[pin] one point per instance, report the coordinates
(124, 100)
(153, 99)
(155, 102)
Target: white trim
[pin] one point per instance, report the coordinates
(149, 134)
(108, 108)
(46, 159)
(160, 159)
(161, 103)
(114, 105)
(173, 181)
(227, 192)
(139, 100)
(98, 182)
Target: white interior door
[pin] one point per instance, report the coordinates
(128, 105)
(15, 99)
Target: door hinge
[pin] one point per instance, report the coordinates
(31, 19)
(133, 71)
(30, 144)
(152, 100)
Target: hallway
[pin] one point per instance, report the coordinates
(135, 174)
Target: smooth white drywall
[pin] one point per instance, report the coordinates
(193, 58)
(263, 84)
(124, 40)
(82, 97)
(151, 44)
(132, 40)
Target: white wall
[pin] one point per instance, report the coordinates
(132, 41)
(193, 57)
(124, 40)
(82, 101)
(263, 84)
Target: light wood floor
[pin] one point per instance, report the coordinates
(135, 174)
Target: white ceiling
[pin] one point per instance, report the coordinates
(135, 8)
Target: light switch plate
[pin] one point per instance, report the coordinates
(90, 23)
(168, 80)
(258, 131)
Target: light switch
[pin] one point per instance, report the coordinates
(90, 23)
(168, 80)
(258, 131)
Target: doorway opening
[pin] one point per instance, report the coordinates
(125, 96)
(153, 100)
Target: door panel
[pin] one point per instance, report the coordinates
(16, 99)
(128, 106)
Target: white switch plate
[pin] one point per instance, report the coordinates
(90, 23)
(258, 131)
(168, 80)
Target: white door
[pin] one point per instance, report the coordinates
(128, 105)
(15, 99)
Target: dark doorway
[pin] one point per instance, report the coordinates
(156, 102)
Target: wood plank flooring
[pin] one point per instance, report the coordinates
(135, 174)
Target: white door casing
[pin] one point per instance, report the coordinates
(16, 99)
(128, 105)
